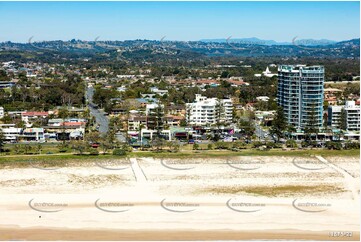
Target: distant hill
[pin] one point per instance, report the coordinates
(352, 42)
(185, 50)
(254, 40)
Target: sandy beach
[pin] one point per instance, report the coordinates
(238, 198)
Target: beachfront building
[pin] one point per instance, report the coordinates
(300, 93)
(33, 134)
(207, 111)
(10, 132)
(352, 116)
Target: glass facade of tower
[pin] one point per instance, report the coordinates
(300, 93)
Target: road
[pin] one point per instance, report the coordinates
(99, 115)
(261, 134)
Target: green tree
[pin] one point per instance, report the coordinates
(63, 113)
(79, 146)
(183, 123)
(291, 143)
(3, 76)
(17, 149)
(174, 146)
(279, 124)
(27, 149)
(39, 148)
(158, 143)
(247, 128)
(311, 126)
(93, 137)
(2, 139)
(7, 119)
(105, 145)
(343, 119)
(219, 113)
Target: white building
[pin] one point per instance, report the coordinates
(33, 134)
(352, 116)
(137, 122)
(207, 111)
(149, 134)
(158, 91)
(10, 133)
(121, 89)
(268, 73)
(262, 98)
(1, 112)
(151, 107)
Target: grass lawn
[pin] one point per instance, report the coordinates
(275, 191)
(62, 159)
(246, 152)
(51, 148)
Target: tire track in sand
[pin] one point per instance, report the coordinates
(350, 180)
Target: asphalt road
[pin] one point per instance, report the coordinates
(99, 115)
(261, 134)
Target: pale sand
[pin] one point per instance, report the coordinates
(208, 219)
(165, 235)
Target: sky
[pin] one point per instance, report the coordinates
(185, 21)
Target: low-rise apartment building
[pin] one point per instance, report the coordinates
(33, 134)
(173, 121)
(10, 132)
(28, 117)
(352, 113)
(207, 111)
(137, 122)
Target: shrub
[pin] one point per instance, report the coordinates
(352, 145)
(313, 143)
(304, 144)
(238, 145)
(126, 148)
(119, 152)
(270, 145)
(79, 145)
(94, 152)
(257, 144)
(62, 150)
(173, 146)
(195, 146)
(331, 145)
(222, 145)
(291, 143)
(210, 146)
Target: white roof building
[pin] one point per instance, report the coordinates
(208, 111)
(268, 73)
